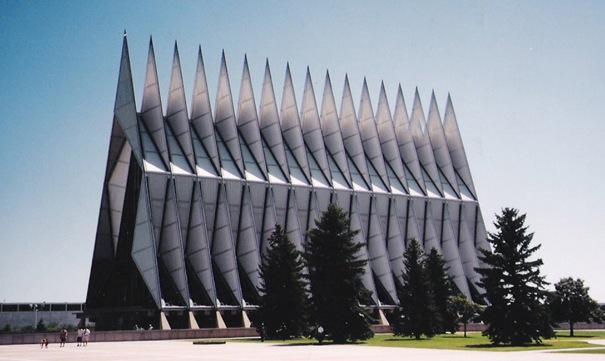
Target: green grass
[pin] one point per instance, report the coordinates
(600, 351)
(474, 341)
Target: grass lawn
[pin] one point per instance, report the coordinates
(600, 351)
(474, 341)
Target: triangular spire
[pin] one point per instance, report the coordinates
(291, 128)
(151, 108)
(405, 140)
(369, 134)
(201, 113)
(350, 132)
(331, 129)
(456, 147)
(439, 144)
(125, 108)
(270, 126)
(386, 134)
(224, 116)
(312, 129)
(176, 110)
(247, 119)
(423, 144)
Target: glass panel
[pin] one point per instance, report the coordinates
(204, 164)
(338, 179)
(413, 186)
(253, 172)
(229, 169)
(275, 173)
(377, 184)
(358, 183)
(318, 178)
(431, 189)
(297, 176)
(465, 193)
(448, 191)
(396, 186)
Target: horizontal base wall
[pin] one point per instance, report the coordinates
(156, 335)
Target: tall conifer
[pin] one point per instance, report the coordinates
(283, 307)
(514, 288)
(335, 272)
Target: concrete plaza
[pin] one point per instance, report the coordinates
(244, 351)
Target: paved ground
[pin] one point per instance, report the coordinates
(242, 351)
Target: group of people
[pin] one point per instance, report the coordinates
(82, 337)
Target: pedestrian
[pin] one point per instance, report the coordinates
(62, 337)
(44, 343)
(79, 337)
(150, 327)
(86, 336)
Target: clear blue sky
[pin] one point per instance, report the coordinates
(527, 81)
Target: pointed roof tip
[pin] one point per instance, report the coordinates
(308, 72)
(266, 62)
(399, 90)
(433, 99)
(245, 58)
(125, 34)
(382, 89)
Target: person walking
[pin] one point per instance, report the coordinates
(79, 337)
(86, 336)
(62, 337)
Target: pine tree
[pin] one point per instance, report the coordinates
(441, 285)
(516, 313)
(283, 306)
(571, 303)
(417, 314)
(335, 272)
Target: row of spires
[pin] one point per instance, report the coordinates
(393, 134)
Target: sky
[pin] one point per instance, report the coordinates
(527, 81)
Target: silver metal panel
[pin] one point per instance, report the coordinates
(350, 132)
(369, 134)
(386, 134)
(184, 186)
(247, 243)
(466, 247)
(291, 127)
(124, 110)
(269, 221)
(451, 256)
(178, 161)
(407, 149)
(292, 226)
(395, 242)
(270, 125)
(360, 238)
(331, 130)
(171, 249)
(224, 116)
(378, 256)
(176, 111)
(201, 113)
(247, 120)
(197, 248)
(223, 247)
(116, 187)
(422, 142)
(455, 145)
(439, 144)
(157, 194)
(151, 107)
(311, 128)
(144, 248)
(431, 236)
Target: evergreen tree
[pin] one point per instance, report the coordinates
(516, 313)
(417, 314)
(335, 272)
(283, 306)
(571, 303)
(441, 286)
(41, 326)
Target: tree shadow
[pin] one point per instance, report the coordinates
(493, 346)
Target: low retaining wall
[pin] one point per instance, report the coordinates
(155, 335)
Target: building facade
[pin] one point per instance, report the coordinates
(191, 196)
